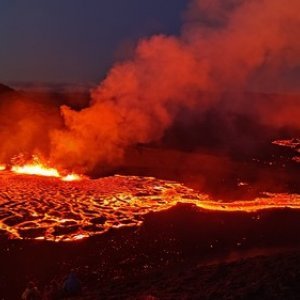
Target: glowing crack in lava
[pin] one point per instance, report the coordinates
(46, 208)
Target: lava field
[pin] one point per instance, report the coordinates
(34, 207)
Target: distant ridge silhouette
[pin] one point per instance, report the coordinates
(5, 89)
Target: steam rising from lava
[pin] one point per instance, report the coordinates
(224, 46)
(139, 98)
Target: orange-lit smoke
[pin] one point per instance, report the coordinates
(224, 46)
(25, 123)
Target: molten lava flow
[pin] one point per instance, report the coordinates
(37, 167)
(293, 144)
(72, 177)
(41, 208)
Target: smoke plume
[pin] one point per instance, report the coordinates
(224, 46)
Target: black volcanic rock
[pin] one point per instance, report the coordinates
(5, 89)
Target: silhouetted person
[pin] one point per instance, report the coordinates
(31, 292)
(72, 285)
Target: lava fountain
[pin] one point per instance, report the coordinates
(36, 166)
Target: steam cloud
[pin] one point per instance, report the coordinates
(232, 45)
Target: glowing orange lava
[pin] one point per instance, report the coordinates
(37, 167)
(72, 177)
(47, 208)
(293, 144)
(2, 167)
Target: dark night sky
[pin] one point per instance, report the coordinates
(75, 40)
